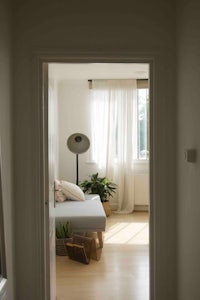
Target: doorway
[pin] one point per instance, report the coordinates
(68, 82)
(151, 239)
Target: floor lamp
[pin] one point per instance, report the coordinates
(78, 143)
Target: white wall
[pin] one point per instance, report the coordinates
(53, 95)
(74, 115)
(142, 28)
(188, 206)
(141, 189)
(6, 137)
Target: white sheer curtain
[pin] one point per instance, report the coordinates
(114, 138)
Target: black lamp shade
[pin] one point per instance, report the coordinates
(78, 143)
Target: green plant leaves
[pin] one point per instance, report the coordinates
(99, 185)
(63, 231)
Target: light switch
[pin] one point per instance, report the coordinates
(190, 155)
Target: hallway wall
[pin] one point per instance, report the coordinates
(188, 124)
(140, 29)
(6, 136)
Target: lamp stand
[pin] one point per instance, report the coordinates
(76, 168)
(78, 143)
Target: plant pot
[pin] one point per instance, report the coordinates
(61, 249)
(107, 209)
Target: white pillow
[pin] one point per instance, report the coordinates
(59, 196)
(56, 184)
(71, 191)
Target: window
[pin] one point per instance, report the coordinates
(120, 121)
(143, 121)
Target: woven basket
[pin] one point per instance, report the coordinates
(61, 248)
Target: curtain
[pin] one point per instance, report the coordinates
(114, 135)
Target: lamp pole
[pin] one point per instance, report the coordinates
(76, 168)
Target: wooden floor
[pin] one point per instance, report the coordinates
(123, 270)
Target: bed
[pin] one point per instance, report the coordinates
(84, 216)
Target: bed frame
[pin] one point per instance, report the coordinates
(84, 216)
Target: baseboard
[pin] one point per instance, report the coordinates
(141, 208)
(136, 207)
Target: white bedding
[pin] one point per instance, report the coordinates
(87, 215)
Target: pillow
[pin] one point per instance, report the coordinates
(59, 196)
(56, 184)
(71, 191)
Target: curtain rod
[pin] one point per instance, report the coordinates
(141, 83)
(90, 80)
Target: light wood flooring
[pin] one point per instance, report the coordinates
(122, 273)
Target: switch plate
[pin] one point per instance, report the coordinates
(190, 155)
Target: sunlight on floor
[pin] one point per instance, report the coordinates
(130, 233)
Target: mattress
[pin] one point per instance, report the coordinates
(85, 215)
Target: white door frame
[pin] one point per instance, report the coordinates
(41, 61)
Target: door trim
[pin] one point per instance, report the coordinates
(41, 61)
(3, 270)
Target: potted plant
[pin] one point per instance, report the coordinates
(63, 236)
(101, 186)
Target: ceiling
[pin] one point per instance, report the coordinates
(66, 71)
